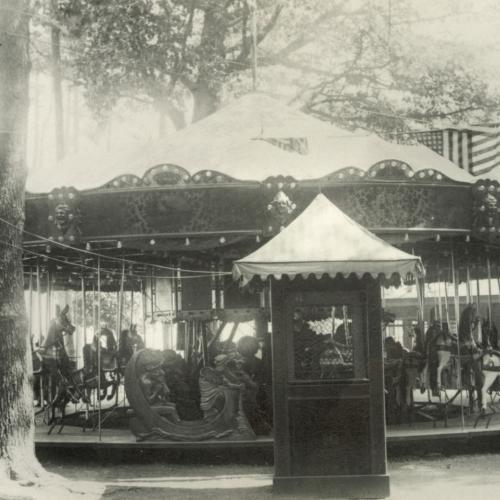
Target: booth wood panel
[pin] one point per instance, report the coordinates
(329, 429)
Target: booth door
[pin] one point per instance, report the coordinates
(328, 391)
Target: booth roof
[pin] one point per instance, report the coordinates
(229, 141)
(324, 240)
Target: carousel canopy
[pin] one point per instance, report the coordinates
(322, 239)
(252, 138)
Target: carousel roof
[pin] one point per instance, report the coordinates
(324, 240)
(252, 138)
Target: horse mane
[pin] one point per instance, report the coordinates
(464, 323)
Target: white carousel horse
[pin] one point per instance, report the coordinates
(491, 372)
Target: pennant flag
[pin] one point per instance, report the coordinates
(292, 144)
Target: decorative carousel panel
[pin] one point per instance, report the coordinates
(280, 182)
(166, 175)
(211, 177)
(124, 181)
(403, 205)
(220, 209)
(172, 211)
(391, 170)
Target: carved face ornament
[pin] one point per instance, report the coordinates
(282, 204)
(62, 216)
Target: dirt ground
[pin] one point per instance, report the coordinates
(177, 476)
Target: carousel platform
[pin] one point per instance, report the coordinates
(419, 436)
(74, 437)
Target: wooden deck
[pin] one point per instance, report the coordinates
(74, 437)
(404, 436)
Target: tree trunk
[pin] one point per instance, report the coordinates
(16, 400)
(213, 52)
(168, 109)
(57, 80)
(19, 468)
(205, 102)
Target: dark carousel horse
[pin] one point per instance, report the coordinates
(105, 377)
(401, 372)
(55, 376)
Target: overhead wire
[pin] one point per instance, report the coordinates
(48, 241)
(104, 270)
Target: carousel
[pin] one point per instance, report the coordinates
(141, 335)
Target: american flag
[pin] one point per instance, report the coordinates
(475, 149)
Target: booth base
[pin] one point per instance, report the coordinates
(369, 486)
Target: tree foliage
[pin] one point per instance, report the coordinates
(160, 51)
(357, 63)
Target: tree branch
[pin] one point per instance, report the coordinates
(309, 32)
(242, 61)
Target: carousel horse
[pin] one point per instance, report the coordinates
(55, 374)
(438, 346)
(401, 372)
(442, 349)
(490, 364)
(130, 341)
(101, 358)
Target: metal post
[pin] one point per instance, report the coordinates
(446, 308)
(94, 316)
(84, 311)
(39, 302)
(419, 284)
(440, 304)
(488, 266)
(152, 295)
(221, 282)
(457, 318)
(47, 302)
(144, 312)
(173, 295)
(478, 293)
(179, 290)
(120, 302)
(469, 291)
(98, 337)
(30, 307)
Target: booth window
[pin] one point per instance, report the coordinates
(328, 343)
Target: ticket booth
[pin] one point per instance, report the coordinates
(324, 272)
